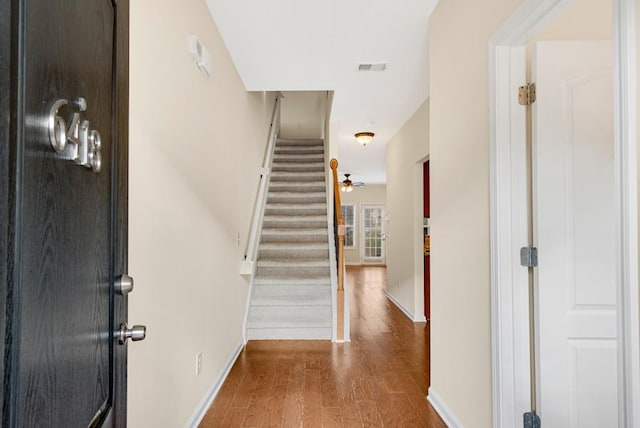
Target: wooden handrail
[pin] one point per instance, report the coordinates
(340, 220)
(340, 227)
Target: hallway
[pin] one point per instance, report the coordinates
(379, 379)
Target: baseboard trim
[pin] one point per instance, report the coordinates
(204, 405)
(405, 310)
(443, 410)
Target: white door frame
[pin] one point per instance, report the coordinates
(509, 282)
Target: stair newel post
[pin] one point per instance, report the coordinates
(340, 249)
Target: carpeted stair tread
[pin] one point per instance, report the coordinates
(302, 150)
(301, 273)
(296, 167)
(293, 250)
(293, 239)
(291, 295)
(304, 246)
(299, 142)
(296, 198)
(298, 282)
(290, 316)
(294, 222)
(287, 187)
(294, 263)
(296, 218)
(308, 333)
(297, 176)
(297, 158)
(296, 209)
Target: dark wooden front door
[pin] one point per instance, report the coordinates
(427, 256)
(66, 222)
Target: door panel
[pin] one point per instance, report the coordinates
(64, 347)
(574, 218)
(373, 234)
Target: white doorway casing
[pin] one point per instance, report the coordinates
(509, 282)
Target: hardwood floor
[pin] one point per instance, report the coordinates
(377, 380)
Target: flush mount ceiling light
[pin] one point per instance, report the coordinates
(364, 138)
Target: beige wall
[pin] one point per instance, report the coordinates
(406, 152)
(581, 20)
(369, 194)
(459, 179)
(196, 145)
(303, 114)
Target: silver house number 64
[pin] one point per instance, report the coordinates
(77, 141)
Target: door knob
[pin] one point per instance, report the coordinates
(135, 333)
(124, 285)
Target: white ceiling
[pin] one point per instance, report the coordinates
(304, 45)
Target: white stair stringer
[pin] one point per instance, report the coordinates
(291, 295)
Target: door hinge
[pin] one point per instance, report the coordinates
(529, 256)
(527, 94)
(531, 420)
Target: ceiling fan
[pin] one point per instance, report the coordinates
(348, 185)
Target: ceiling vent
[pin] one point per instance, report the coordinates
(376, 66)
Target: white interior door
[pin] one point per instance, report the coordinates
(373, 234)
(574, 219)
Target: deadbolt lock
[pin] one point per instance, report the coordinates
(124, 285)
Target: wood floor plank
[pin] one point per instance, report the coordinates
(312, 411)
(369, 414)
(332, 417)
(294, 403)
(233, 418)
(379, 379)
(259, 401)
(274, 414)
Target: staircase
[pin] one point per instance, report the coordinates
(291, 295)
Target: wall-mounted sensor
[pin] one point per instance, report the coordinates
(200, 55)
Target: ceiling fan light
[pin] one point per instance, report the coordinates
(347, 185)
(364, 138)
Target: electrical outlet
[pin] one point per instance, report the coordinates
(238, 238)
(198, 363)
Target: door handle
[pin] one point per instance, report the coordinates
(135, 333)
